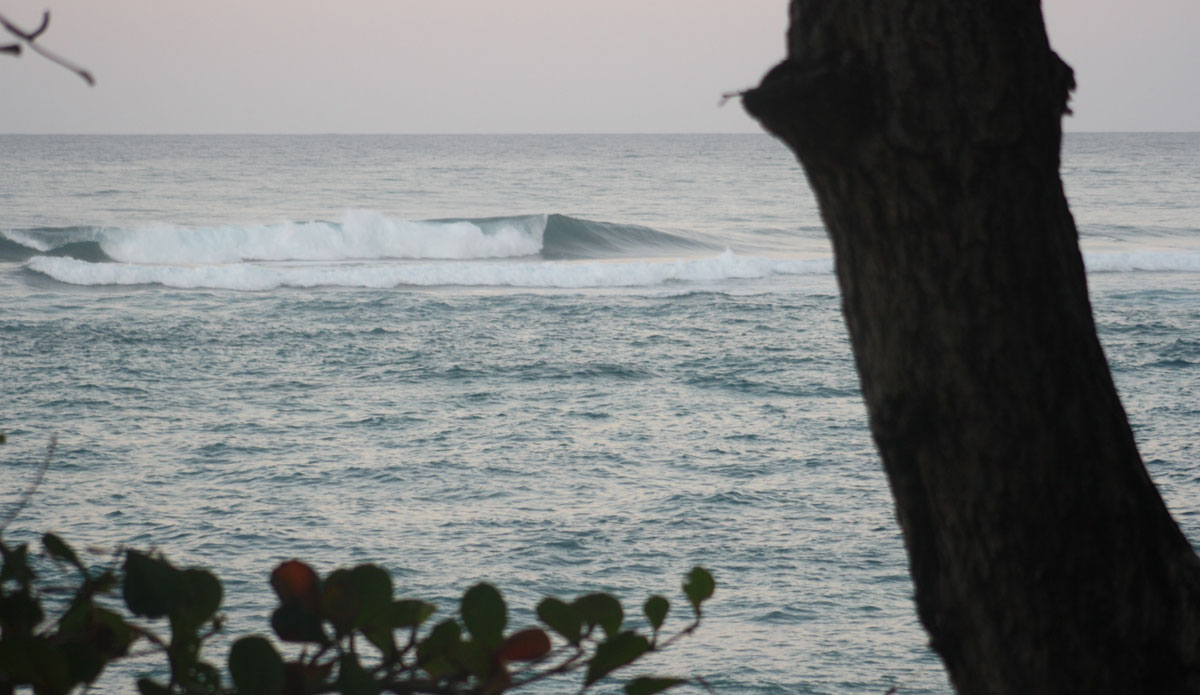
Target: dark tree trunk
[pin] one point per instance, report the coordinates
(1043, 557)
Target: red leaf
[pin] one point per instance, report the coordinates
(526, 645)
(295, 581)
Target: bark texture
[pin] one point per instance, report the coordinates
(1044, 559)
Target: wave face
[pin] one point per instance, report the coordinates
(360, 236)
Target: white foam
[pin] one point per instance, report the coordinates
(532, 274)
(361, 235)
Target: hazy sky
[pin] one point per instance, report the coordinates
(448, 66)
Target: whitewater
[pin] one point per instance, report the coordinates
(559, 363)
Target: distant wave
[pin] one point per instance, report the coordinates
(361, 235)
(517, 273)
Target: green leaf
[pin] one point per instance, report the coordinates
(151, 585)
(198, 597)
(471, 656)
(374, 588)
(256, 667)
(440, 641)
(646, 685)
(340, 602)
(656, 608)
(294, 622)
(353, 679)
(601, 609)
(485, 615)
(698, 585)
(561, 618)
(617, 651)
(59, 549)
(383, 638)
(409, 613)
(110, 633)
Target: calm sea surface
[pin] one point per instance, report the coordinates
(559, 363)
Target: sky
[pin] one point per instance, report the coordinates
(504, 66)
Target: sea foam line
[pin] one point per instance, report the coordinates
(543, 274)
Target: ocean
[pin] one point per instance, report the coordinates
(559, 363)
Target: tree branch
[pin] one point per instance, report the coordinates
(30, 38)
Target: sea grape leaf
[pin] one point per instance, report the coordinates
(58, 548)
(562, 618)
(373, 586)
(295, 581)
(198, 598)
(485, 615)
(256, 668)
(529, 644)
(656, 608)
(698, 586)
(294, 622)
(619, 650)
(647, 685)
(474, 657)
(409, 613)
(440, 640)
(601, 609)
(340, 602)
(150, 586)
(353, 679)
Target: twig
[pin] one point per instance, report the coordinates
(30, 37)
(37, 480)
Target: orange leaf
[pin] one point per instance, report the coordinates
(526, 645)
(295, 581)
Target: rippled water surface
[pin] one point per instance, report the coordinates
(630, 360)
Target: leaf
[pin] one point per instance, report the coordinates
(698, 585)
(526, 645)
(485, 615)
(353, 679)
(295, 581)
(374, 588)
(656, 609)
(256, 668)
(617, 651)
(409, 613)
(601, 609)
(340, 602)
(150, 585)
(561, 618)
(198, 598)
(440, 641)
(294, 622)
(59, 549)
(646, 685)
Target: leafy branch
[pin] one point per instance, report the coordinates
(29, 38)
(354, 636)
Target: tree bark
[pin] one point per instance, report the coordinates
(1043, 558)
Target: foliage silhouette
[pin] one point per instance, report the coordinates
(356, 637)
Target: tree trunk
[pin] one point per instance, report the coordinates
(1044, 559)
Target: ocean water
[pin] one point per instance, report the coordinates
(558, 363)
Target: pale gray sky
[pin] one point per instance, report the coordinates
(448, 66)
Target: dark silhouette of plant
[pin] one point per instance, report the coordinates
(29, 38)
(356, 637)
